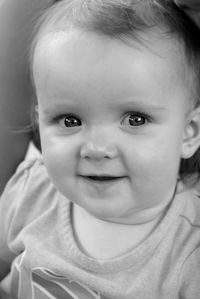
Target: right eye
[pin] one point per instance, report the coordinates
(70, 121)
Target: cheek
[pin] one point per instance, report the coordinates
(154, 159)
(60, 155)
(153, 174)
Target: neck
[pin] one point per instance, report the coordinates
(104, 239)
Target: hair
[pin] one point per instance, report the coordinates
(129, 18)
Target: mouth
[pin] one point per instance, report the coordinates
(102, 178)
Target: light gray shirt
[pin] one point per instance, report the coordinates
(36, 239)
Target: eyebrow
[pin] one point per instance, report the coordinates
(140, 105)
(128, 104)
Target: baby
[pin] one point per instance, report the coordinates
(109, 210)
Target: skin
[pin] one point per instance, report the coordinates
(115, 81)
(13, 19)
(108, 108)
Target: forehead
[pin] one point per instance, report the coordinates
(88, 60)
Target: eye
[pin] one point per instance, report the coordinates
(135, 119)
(70, 121)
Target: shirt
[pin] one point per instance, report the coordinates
(37, 240)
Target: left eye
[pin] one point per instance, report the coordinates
(134, 120)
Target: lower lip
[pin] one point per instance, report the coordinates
(101, 183)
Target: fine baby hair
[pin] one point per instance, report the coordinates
(107, 204)
(128, 19)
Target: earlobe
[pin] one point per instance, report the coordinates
(191, 140)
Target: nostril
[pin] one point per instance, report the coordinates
(94, 155)
(92, 152)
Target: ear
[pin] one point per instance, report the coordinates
(191, 139)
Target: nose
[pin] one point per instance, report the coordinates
(98, 147)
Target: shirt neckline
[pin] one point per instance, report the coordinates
(134, 257)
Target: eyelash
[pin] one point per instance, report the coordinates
(63, 117)
(147, 118)
(141, 115)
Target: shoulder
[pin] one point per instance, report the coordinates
(185, 244)
(188, 229)
(31, 176)
(191, 211)
(187, 226)
(28, 194)
(189, 277)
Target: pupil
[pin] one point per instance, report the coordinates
(136, 120)
(72, 122)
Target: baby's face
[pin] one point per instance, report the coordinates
(112, 118)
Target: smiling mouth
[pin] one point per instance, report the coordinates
(102, 179)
